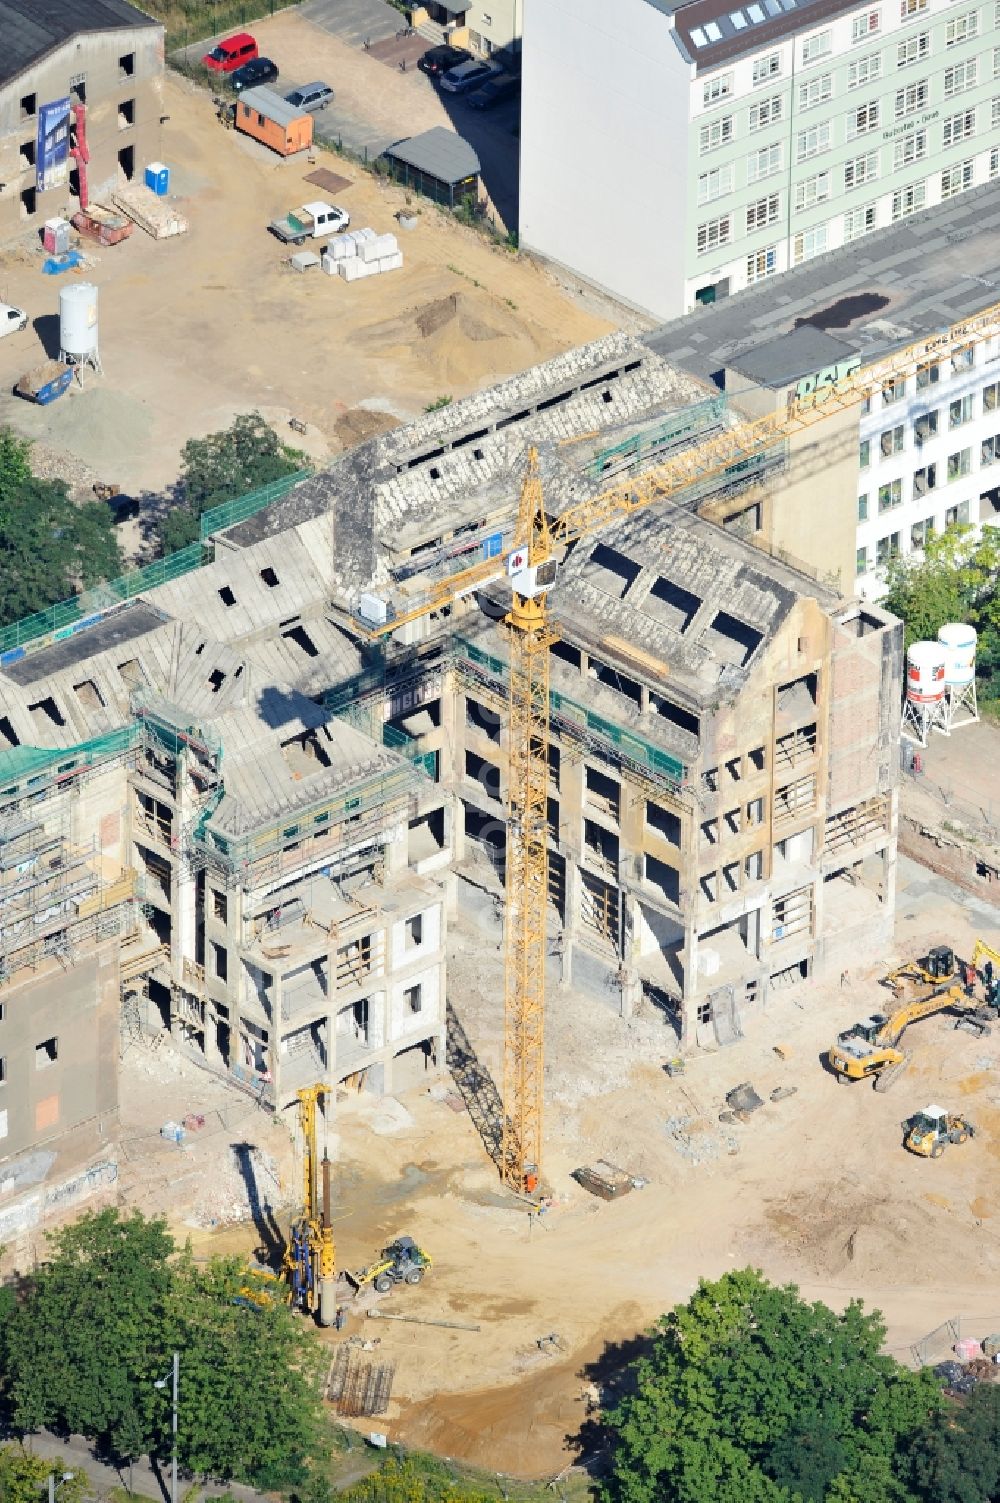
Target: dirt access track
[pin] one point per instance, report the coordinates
(815, 1188)
(197, 328)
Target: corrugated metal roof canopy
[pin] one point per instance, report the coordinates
(271, 105)
(439, 153)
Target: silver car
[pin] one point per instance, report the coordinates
(311, 96)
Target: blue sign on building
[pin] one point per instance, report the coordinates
(52, 155)
(493, 545)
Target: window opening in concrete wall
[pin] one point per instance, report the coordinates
(731, 876)
(798, 696)
(3, 1123)
(675, 714)
(28, 203)
(220, 961)
(555, 766)
(46, 1053)
(126, 114)
(483, 718)
(732, 819)
(709, 832)
(660, 875)
(487, 774)
(126, 162)
(29, 106)
(755, 812)
(603, 792)
(427, 835)
(794, 799)
(414, 931)
(78, 88)
(757, 759)
(792, 914)
(664, 822)
(46, 710)
(413, 999)
(601, 844)
(89, 695)
(26, 152)
(731, 640)
(613, 679)
(611, 571)
(3, 1068)
(220, 906)
(8, 735)
(126, 65)
(567, 653)
(704, 1012)
(709, 884)
(302, 639)
(3, 1011)
(226, 596)
(600, 908)
(671, 604)
(132, 673)
(711, 779)
(754, 865)
(269, 577)
(790, 975)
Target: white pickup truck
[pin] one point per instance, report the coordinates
(310, 222)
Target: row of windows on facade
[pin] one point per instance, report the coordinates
(864, 26)
(929, 477)
(766, 211)
(890, 546)
(927, 425)
(913, 146)
(910, 99)
(77, 87)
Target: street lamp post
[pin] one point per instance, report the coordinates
(54, 1486)
(162, 1383)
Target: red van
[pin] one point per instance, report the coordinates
(232, 53)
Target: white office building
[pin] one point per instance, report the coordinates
(674, 154)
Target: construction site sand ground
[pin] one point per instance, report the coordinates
(815, 1188)
(199, 327)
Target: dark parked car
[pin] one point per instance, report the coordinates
(468, 76)
(440, 60)
(495, 91)
(260, 71)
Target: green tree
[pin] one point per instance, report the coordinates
(24, 1478)
(750, 1393)
(250, 1404)
(222, 467)
(84, 1343)
(956, 580)
(957, 1458)
(415, 1480)
(49, 547)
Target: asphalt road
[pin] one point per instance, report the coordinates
(75, 1455)
(354, 21)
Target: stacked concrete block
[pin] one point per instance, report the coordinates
(378, 248)
(361, 253)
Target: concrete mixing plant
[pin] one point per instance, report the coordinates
(78, 341)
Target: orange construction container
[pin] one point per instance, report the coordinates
(267, 117)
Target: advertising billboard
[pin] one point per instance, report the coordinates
(52, 157)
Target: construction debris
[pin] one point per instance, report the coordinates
(743, 1100)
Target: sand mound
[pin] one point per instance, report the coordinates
(358, 423)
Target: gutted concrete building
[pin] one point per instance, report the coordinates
(80, 107)
(271, 817)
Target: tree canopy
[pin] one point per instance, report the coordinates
(222, 467)
(751, 1395)
(24, 1478)
(957, 579)
(96, 1329)
(50, 548)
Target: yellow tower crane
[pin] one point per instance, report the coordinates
(310, 1263)
(530, 567)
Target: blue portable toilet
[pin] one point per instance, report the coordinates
(158, 179)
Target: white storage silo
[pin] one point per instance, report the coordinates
(959, 642)
(925, 664)
(926, 704)
(78, 342)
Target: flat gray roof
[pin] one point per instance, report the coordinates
(135, 620)
(438, 152)
(874, 296)
(267, 102)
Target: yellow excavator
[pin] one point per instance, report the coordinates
(310, 1262)
(937, 967)
(870, 1050)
